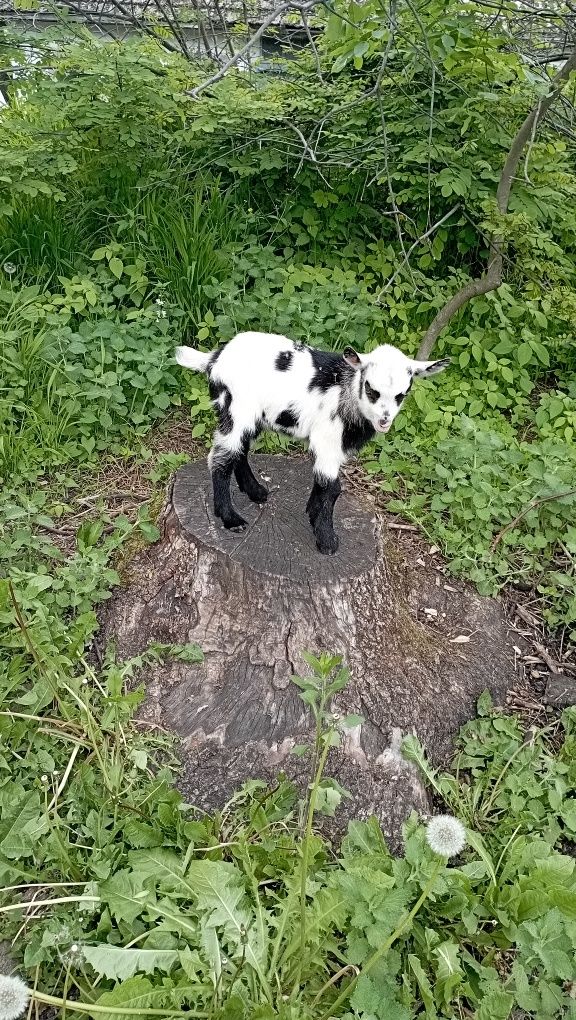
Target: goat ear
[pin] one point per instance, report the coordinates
(351, 357)
(422, 369)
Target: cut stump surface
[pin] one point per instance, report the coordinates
(255, 601)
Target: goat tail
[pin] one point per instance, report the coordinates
(188, 357)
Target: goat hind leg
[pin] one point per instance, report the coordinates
(245, 478)
(222, 461)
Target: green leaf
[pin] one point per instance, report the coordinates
(135, 993)
(449, 973)
(124, 895)
(22, 827)
(118, 964)
(424, 986)
(477, 843)
(339, 63)
(220, 895)
(565, 900)
(524, 354)
(164, 867)
(116, 267)
(496, 1004)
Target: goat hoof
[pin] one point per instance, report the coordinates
(235, 523)
(328, 544)
(259, 495)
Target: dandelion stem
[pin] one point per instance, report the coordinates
(48, 903)
(98, 1008)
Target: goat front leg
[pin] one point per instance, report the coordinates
(329, 457)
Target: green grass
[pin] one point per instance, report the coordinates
(185, 233)
(42, 239)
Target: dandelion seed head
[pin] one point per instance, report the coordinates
(445, 835)
(9, 268)
(14, 997)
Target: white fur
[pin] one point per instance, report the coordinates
(260, 393)
(190, 358)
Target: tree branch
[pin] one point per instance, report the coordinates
(281, 9)
(423, 237)
(492, 278)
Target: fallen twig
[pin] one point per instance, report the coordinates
(529, 506)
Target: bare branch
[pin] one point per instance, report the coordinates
(414, 245)
(281, 9)
(492, 278)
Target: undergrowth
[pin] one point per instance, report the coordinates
(124, 900)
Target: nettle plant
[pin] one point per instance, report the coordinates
(82, 367)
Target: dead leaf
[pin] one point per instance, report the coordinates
(462, 639)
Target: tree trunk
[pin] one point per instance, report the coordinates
(255, 601)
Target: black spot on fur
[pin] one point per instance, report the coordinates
(400, 396)
(356, 434)
(372, 394)
(329, 370)
(222, 399)
(287, 419)
(215, 389)
(283, 361)
(214, 359)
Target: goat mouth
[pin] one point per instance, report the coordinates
(383, 426)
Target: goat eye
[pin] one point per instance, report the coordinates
(371, 393)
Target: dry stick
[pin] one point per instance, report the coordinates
(492, 278)
(418, 241)
(530, 506)
(312, 44)
(224, 26)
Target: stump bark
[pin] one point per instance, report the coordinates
(255, 601)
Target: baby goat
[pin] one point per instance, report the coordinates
(336, 401)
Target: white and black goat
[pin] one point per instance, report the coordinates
(335, 400)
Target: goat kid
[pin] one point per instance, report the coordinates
(337, 401)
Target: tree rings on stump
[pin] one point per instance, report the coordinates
(254, 601)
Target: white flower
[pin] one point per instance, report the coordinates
(9, 268)
(446, 836)
(14, 997)
(103, 98)
(44, 779)
(159, 302)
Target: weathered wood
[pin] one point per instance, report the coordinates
(255, 601)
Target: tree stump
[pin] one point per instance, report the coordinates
(255, 601)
